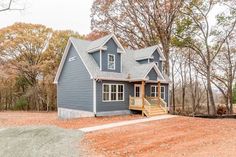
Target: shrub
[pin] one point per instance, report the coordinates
(21, 103)
(221, 110)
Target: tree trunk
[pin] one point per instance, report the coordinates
(183, 98)
(166, 50)
(209, 90)
(208, 106)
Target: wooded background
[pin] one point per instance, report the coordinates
(201, 51)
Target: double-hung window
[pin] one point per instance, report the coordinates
(111, 62)
(154, 91)
(113, 92)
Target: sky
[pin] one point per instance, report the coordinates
(57, 14)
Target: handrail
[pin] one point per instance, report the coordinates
(163, 104)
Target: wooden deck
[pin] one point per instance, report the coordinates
(151, 106)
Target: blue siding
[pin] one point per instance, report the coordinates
(75, 88)
(115, 105)
(148, 90)
(156, 56)
(96, 57)
(111, 49)
(152, 75)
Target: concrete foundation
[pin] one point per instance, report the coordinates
(65, 113)
(113, 113)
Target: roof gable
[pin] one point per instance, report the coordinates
(131, 69)
(146, 53)
(159, 74)
(64, 56)
(100, 43)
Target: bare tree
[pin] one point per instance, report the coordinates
(7, 5)
(204, 41)
(224, 73)
(139, 23)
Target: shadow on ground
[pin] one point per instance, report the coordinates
(39, 141)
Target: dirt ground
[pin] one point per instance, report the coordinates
(43, 118)
(175, 137)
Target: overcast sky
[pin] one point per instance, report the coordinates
(57, 14)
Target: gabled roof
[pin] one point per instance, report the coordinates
(99, 43)
(146, 53)
(131, 69)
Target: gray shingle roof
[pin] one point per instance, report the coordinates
(131, 69)
(147, 53)
(99, 42)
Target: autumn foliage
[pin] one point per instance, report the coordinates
(29, 57)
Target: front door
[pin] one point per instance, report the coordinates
(137, 94)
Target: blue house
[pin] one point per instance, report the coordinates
(100, 78)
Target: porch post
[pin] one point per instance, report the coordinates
(143, 94)
(159, 93)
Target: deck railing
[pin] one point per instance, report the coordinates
(154, 100)
(149, 102)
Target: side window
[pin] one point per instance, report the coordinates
(113, 92)
(111, 62)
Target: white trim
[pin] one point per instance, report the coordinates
(163, 58)
(109, 85)
(62, 62)
(143, 58)
(164, 92)
(109, 61)
(131, 80)
(116, 41)
(157, 71)
(100, 59)
(140, 92)
(156, 90)
(121, 69)
(94, 97)
(96, 49)
(82, 60)
(69, 43)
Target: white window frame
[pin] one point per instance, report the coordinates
(156, 91)
(163, 92)
(108, 56)
(109, 100)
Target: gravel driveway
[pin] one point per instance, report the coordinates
(39, 141)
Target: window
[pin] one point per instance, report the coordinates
(137, 91)
(105, 92)
(154, 91)
(113, 92)
(162, 92)
(111, 62)
(120, 92)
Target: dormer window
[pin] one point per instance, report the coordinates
(111, 62)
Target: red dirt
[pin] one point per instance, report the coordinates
(43, 118)
(182, 136)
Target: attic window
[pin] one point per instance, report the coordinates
(111, 62)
